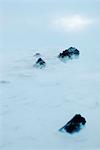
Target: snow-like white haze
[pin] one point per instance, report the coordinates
(36, 103)
(72, 23)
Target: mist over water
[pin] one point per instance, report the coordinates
(35, 103)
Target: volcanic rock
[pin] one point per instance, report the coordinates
(69, 53)
(40, 63)
(75, 124)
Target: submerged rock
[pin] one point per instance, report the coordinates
(4, 82)
(69, 53)
(75, 124)
(40, 63)
(37, 55)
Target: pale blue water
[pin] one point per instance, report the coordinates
(34, 101)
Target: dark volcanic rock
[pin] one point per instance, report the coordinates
(40, 63)
(73, 51)
(69, 53)
(75, 124)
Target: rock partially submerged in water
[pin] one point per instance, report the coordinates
(69, 53)
(37, 55)
(40, 63)
(75, 124)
